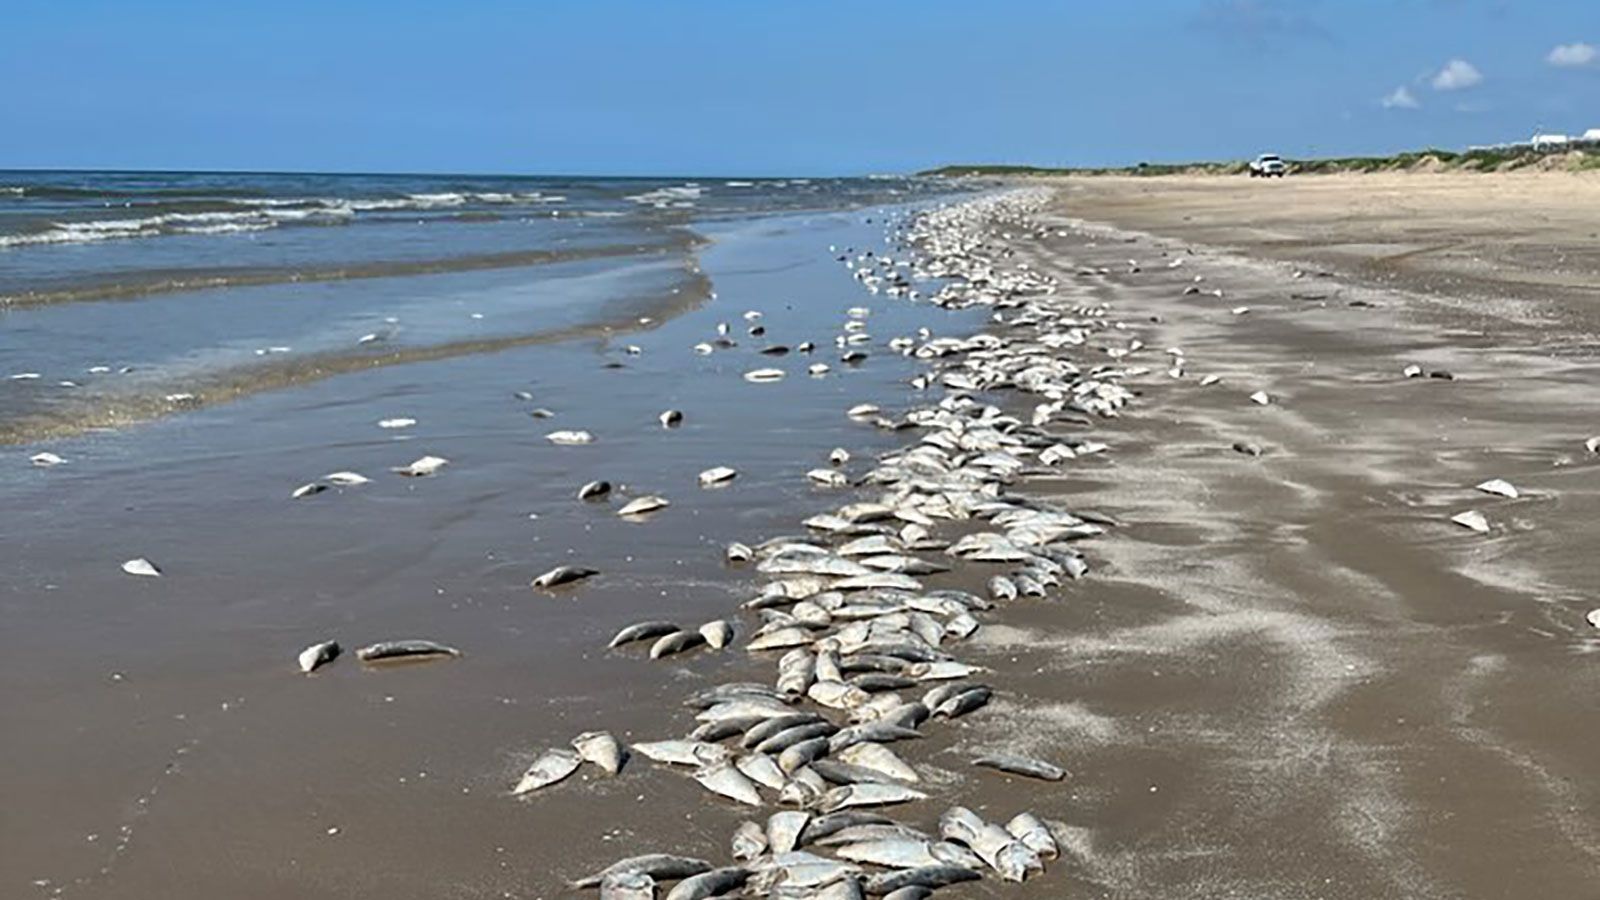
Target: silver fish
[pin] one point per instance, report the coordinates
(552, 766)
(879, 758)
(594, 490)
(748, 842)
(784, 828)
(404, 649)
(718, 633)
(1021, 765)
(628, 886)
(659, 866)
(317, 655)
(723, 779)
(867, 795)
(640, 631)
(677, 642)
(682, 752)
(600, 748)
(561, 575)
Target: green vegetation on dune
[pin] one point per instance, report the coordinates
(1499, 159)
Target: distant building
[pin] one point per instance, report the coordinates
(1592, 134)
(1545, 141)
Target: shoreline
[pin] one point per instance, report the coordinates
(1286, 674)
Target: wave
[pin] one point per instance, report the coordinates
(258, 214)
(680, 197)
(125, 286)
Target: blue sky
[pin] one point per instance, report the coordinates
(773, 87)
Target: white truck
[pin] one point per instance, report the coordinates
(1268, 165)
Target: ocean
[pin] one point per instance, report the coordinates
(126, 296)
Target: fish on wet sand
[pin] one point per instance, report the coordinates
(561, 575)
(640, 631)
(643, 505)
(602, 749)
(658, 866)
(569, 438)
(142, 566)
(551, 767)
(317, 655)
(594, 490)
(1021, 765)
(406, 649)
(421, 467)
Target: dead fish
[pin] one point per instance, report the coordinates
(726, 780)
(1248, 449)
(398, 422)
(779, 639)
(878, 758)
(659, 866)
(868, 795)
(642, 631)
(1027, 828)
(594, 490)
(412, 648)
(737, 552)
(628, 886)
(642, 505)
(317, 655)
(1500, 487)
(879, 732)
(963, 703)
(1021, 765)
(421, 468)
(307, 490)
(781, 740)
(672, 418)
(552, 766)
(141, 566)
(758, 376)
(763, 770)
(802, 753)
(717, 475)
(1002, 588)
(784, 829)
(45, 459)
(569, 438)
(931, 877)
(602, 749)
(723, 729)
(718, 633)
(682, 752)
(677, 642)
(828, 478)
(561, 575)
(832, 823)
(345, 479)
(1261, 397)
(748, 842)
(759, 734)
(1472, 519)
(839, 456)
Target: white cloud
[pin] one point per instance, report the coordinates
(1572, 56)
(1400, 98)
(1456, 75)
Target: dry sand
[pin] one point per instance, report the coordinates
(1295, 678)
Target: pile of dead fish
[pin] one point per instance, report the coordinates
(863, 648)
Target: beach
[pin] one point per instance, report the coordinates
(1286, 673)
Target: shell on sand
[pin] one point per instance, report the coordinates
(141, 566)
(552, 766)
(640, 506)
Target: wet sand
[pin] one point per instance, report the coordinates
(1287, 676)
